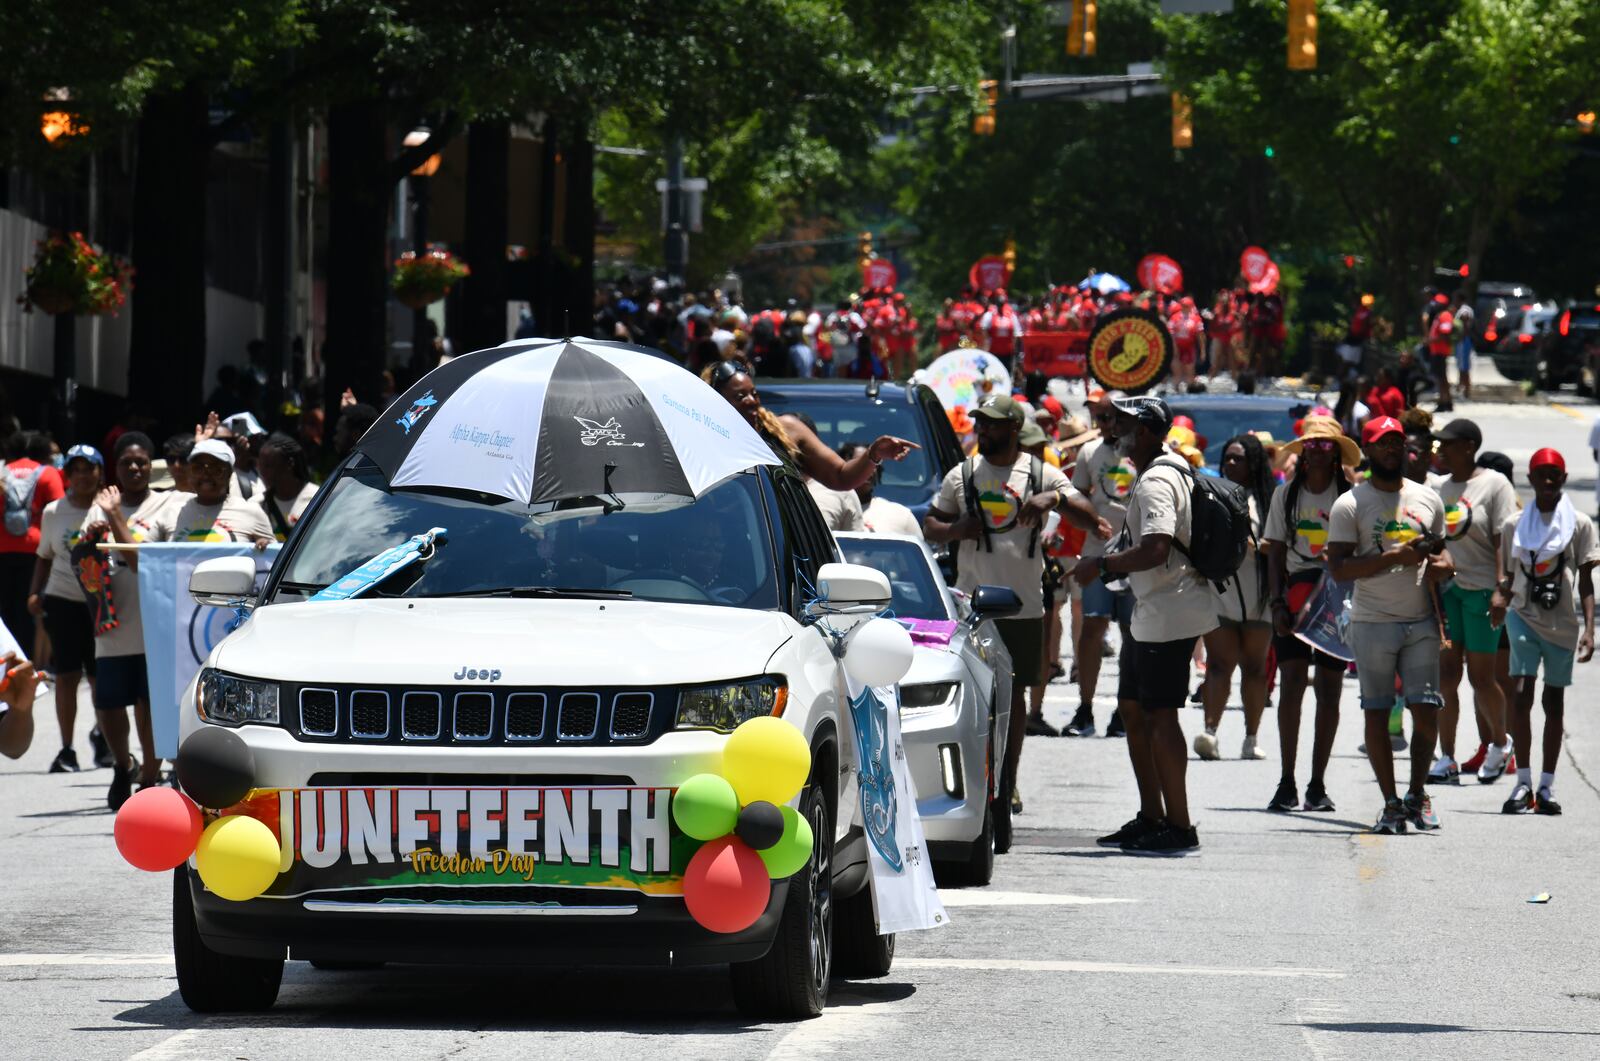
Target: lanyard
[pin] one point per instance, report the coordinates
(380, 567)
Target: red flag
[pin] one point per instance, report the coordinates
(1157, 272)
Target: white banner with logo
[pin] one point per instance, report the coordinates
(904, 896)
(178, 633)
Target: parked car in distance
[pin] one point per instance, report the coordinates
(954, 704)
(1517, 353)
(860, 411)
(1497, 310)
(1219, 417)
(1570, 351)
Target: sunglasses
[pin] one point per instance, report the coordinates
(724, 372)
(1319, 445)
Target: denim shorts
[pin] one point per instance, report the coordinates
(1384, 649)
(1102, 603)
(1528, 649)
(1464, 356)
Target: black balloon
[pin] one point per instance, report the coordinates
(215, 767)
(760, 825)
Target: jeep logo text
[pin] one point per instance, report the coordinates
(471, 675)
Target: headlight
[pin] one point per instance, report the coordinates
(723, 707)
(227, 700)
(926, 696)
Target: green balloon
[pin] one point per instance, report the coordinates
(793, 850)
(706, 807)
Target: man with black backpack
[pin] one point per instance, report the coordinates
(996, 504)
(1181, 531)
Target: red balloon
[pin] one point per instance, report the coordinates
(158, 828)
(726, 886)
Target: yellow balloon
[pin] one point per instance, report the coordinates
(766, 758)
(238, 857)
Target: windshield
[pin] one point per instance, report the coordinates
(917, 594)
(857, 418)
(713, 551)
(1218, 423)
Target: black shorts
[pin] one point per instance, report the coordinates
(1024, 639)
(1156, 673)
(1291, 649)
(71, 630)
(121, 683)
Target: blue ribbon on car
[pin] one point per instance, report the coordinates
(380, 567)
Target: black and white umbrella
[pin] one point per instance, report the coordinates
(553, 419)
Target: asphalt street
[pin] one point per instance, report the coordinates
(1286, 936)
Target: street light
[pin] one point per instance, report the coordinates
(55, 124)
(428, 166)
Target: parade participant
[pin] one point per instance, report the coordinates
(1296, 537)
(867, 364)
(55, 597)
(879, 514)
(1477, 503)
(1244, 631)
(1441, 344)
(176, 452)
(1173, 607)
(1380, 534)
(1385, 399)
(286, 486)
(840, 509)
(16, 698)
(1000, 327)
(798, 445)
(944, 327)
(1068, 545)
(1186, 327)
(1464, 317)
(29, 484)
(1538, 597)
(1105, 476)
(998, 502)
(1220, 329)
(212, 513)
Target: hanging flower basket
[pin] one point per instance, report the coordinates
(420, 279)
(69, 276)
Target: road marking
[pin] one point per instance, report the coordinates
(1026, 966)
(1321, 1044)
(14, 960)
(841, 1029)
(998, 898)
(1570, 412)
(171, 1048)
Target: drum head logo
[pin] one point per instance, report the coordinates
(1129, 351)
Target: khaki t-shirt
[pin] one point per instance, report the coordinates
(1473, 511)
(1107, 480)
(1559, 625)
(1000, 493)
(1374, 520)
(144, 523)
(841, 509)
(1306, 542)
(60, 529)
(883, 516)
(231, 520)
(1170, 601)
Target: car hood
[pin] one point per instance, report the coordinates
(528, 642)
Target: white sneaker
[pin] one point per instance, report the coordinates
(1251, 749)
(1445, 771)
(1205, 746)
(1494, 764)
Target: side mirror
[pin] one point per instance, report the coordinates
(994, 602)
(852, 588)
(226, 582)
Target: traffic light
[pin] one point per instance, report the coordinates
(1268, 151)
(1010, 256)
(1302, 34)
(1081, 29)
(864, 242)
(1182, 121)
(983, 124)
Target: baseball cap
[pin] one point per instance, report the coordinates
(1380, 426)
(1546, 456)
(214, 448)
(1032, 434)
(1149, 411)
(88, 453)
(1458, 429)
(1001, 407)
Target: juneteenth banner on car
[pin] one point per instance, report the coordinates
(602, 837)
(178, 633)
(904, 896)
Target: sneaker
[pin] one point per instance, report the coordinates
(1494, 764)
(1521, 801)
(1317, 799)
(1471, 765)
(1251, 748)
(1198, 697)
(1286, 798)
(1444, 772)
(1082, 724)
(1072, 675)
(1397, 742)
(101, 750)
(1168, 840)
(1038, 727)
(1016, 802)
(1205, 746)
(1114, 727)
(1132, 829)
(1419, 812)
(1546, 803)
(122, 779)
(1106, 651)
(66, 761)
(1393, 819)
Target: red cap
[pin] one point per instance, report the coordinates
(1379, 426)
(1546, 456)
(1049, 402)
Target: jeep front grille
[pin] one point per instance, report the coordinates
(474, 716)
(319, 712)
(369, 714)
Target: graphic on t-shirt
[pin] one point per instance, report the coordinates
(1457, 519)
(1390, 532)
(218, 533)
(1311, 534)
(1117, 480)
(1542, 568)
(1000, 507)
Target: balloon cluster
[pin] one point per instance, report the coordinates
(159, 827)
(751, 836)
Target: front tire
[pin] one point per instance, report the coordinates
(211, 982)
(977, 869)
(790, 982)
(859, 952)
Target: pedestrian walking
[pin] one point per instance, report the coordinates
(286, 486)
(1465, 318)
(1441, 346)
(1477, 503)
(29, 484)
(1548, 555)
(994, 505)
(1386, 536)
(1173, 607)
(1296, 536)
